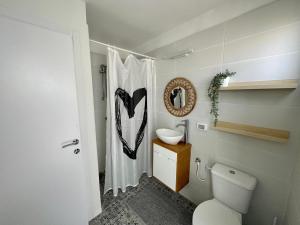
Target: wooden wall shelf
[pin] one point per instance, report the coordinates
(261, 85)
(268, 134)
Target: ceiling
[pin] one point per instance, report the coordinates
(130, 23)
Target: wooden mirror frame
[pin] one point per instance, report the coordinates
(191, 96)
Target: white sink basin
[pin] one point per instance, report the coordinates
(169, 136)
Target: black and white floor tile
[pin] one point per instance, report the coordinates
(150, 203)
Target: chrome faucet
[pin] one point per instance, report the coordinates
(185, 124)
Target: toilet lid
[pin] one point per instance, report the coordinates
(213, 212)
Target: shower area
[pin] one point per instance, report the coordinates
(123, 94)
(99, 62)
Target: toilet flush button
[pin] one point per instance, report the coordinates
(232, 171)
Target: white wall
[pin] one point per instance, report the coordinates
(100, 108)
(69, 15)
(260, 45)
(293, 211)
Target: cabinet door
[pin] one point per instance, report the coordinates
(164, 166)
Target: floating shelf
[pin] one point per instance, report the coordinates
(261, 85)
(268, 134)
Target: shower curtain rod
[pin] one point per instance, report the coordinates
(122, 49)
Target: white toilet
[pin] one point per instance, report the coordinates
(232, 191)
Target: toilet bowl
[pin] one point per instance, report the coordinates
(213, 212)
(232, 191)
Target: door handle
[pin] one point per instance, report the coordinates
(69, 143)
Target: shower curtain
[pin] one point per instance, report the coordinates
(129, 120)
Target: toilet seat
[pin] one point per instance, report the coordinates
(213, 212)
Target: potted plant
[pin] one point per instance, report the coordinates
(213, 92)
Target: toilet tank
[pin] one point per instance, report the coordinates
(232, 187)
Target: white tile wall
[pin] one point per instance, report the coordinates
(273, 67)
(263, 19)
(270, 43)
(293, 211)
(261, 45)
(100, 108)
(205, 58)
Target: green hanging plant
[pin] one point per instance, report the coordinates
(213, 92)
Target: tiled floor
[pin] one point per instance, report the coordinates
(150, 203)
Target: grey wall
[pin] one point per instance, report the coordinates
(261, 45)
(100, 108)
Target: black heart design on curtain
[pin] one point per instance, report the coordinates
(130, 104)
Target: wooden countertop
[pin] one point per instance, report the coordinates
(180, 147)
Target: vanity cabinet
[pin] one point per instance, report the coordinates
(171, 164)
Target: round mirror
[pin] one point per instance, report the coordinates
(180, 97)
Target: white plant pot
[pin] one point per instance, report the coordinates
(226, 82)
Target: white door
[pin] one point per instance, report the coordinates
(41, 183)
